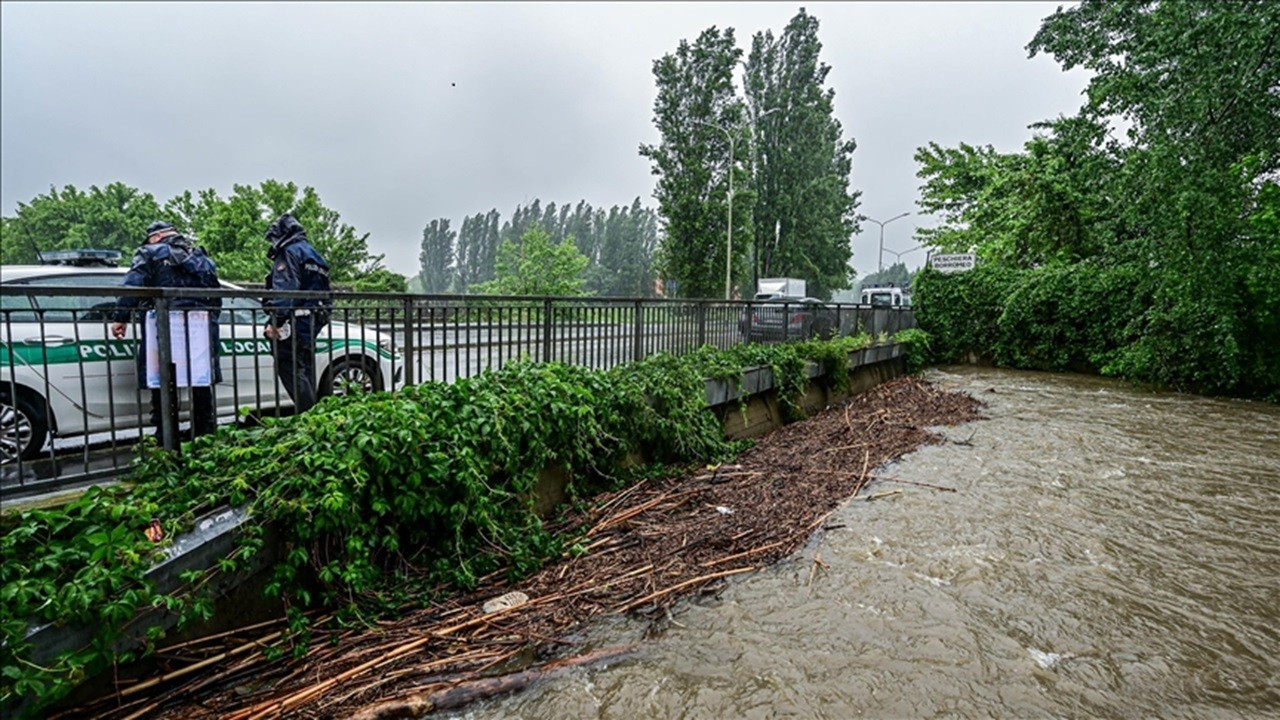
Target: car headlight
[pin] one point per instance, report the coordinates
(385, 344)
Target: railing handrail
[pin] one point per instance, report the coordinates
(19, 288)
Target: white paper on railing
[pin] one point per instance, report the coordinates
(188, 331)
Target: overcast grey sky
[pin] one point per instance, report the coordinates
(398, 113)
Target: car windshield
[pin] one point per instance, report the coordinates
(84, 308)
(881, 298)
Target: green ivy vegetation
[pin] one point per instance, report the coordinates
(916, 343)
(381, 499)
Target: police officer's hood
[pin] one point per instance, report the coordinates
(283, 232)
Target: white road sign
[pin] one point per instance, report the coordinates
(958, 262)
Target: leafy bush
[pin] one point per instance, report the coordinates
(1121, 320)
(917, 343)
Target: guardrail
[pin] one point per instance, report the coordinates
(74, 400)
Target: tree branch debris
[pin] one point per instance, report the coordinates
(651, 545)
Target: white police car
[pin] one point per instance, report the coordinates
(62, 375)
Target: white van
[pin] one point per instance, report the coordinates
(888, 296)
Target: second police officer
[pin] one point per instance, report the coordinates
(293, 323)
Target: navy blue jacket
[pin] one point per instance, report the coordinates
(171, 263)
(295, 265)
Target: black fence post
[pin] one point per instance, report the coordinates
(168, 389)
(546, 330)
(408, 346)
(702, 323)
(637, 340)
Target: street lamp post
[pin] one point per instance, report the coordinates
(880, 258)
(728, 250)
(899, 255)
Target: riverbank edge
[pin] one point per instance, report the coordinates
(747, 407)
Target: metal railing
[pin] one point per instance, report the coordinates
(74, 400)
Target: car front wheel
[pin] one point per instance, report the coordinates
(351, 374)
(23, 427)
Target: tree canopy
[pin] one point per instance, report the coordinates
(114, 217)
(436, 258)
(231, 229)
(535, 264)
(780, 145)
(701, 119)
(1163, 187)
(618, 244)
(805, 211)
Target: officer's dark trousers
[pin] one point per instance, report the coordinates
(296, 364)
(203, 418)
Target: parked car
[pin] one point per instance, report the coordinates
(62, 375)
(787, 318)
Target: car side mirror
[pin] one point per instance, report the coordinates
(98, 312)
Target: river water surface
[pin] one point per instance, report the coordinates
(1109, 552)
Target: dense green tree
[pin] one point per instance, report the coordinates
(1197, 83)
(1051, 203)
(524, 217)
(436, 257)
(477, 249)
(805, 212)
(699, 115)
(536, 265)
(233, 230)
(582, 226)
(114, 217)
(378, 279)
(627, 243)
(1171, 229)
(467, 252)
(896, 274)
(618, 244)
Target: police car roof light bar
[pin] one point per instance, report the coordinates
(80, 258)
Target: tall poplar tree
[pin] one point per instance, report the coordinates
(696, 111)
(470, 252)
(805, 212)
(581, 225)
(626, 252)
(436, 257)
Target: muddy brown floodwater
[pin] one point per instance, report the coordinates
(1109, 552)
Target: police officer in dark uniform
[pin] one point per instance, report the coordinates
(293, 323)
(170, 260)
